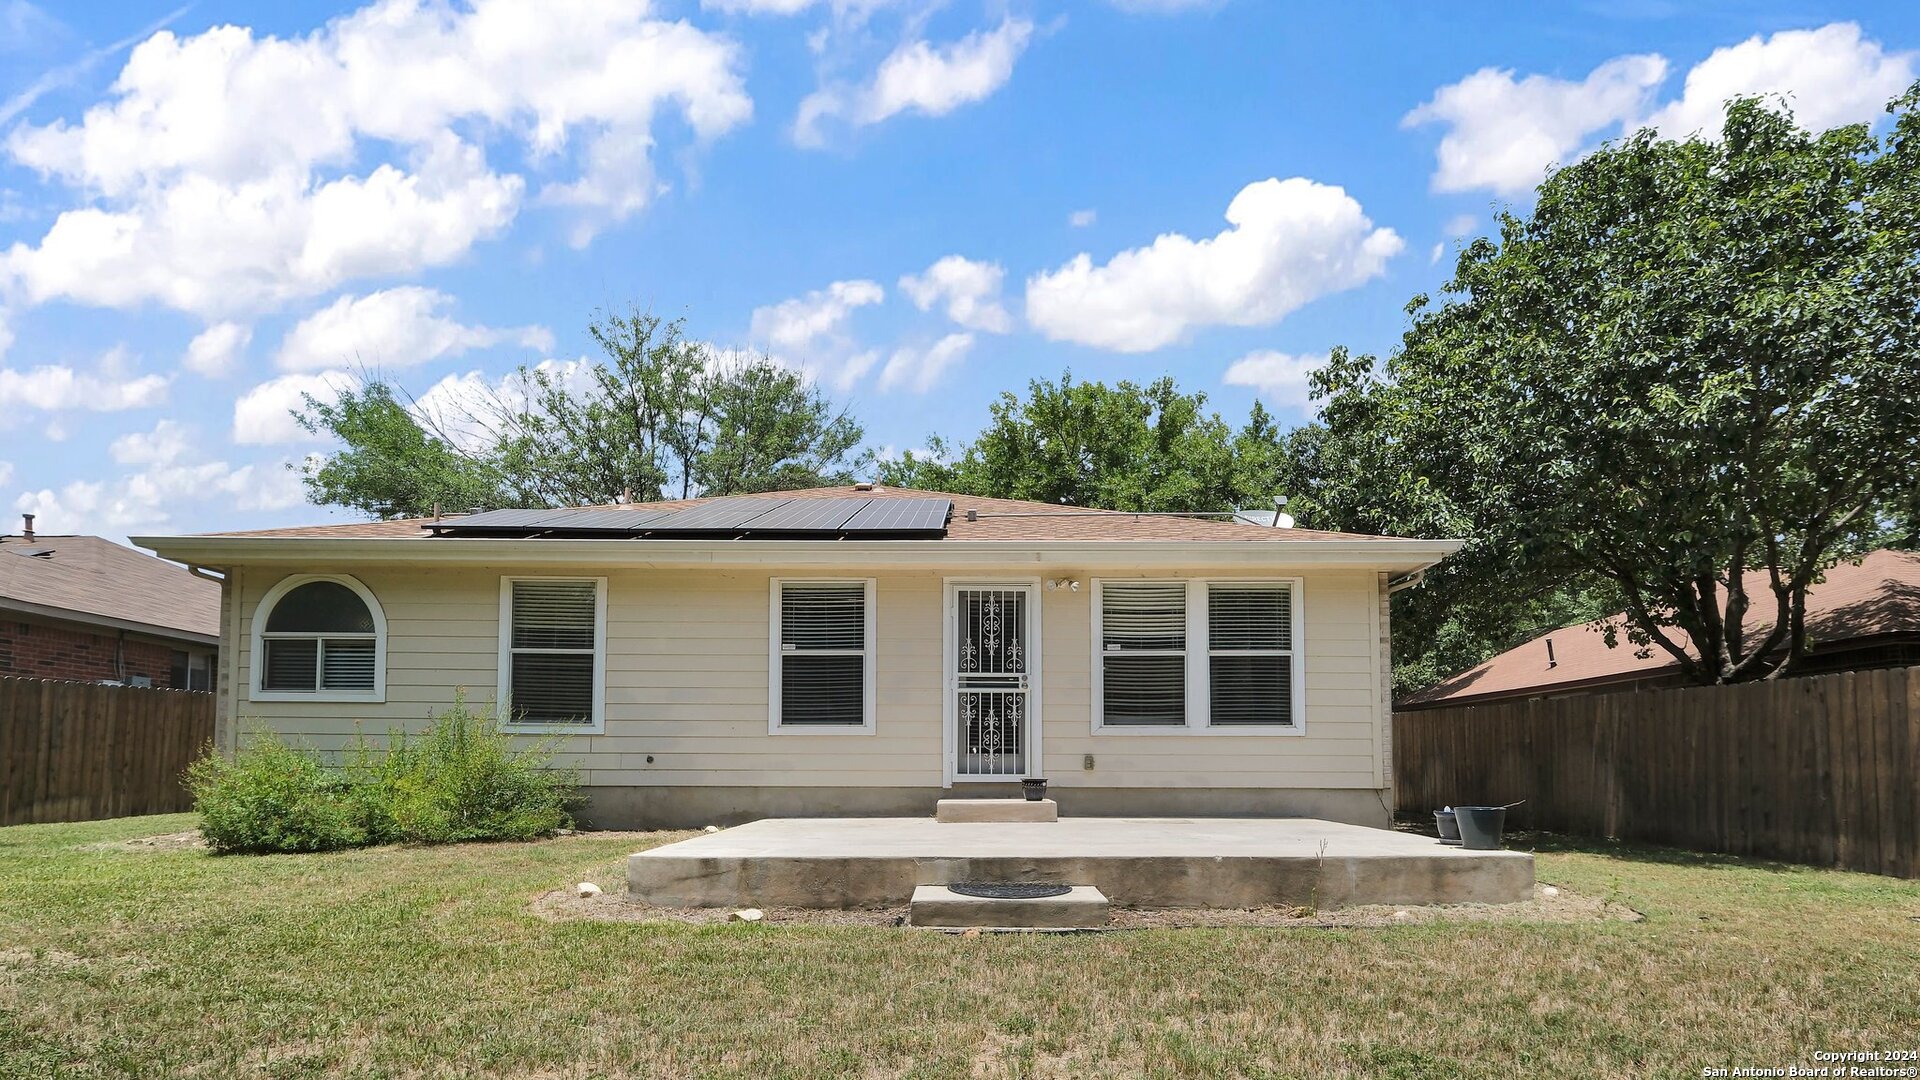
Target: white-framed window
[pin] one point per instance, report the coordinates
(319, 638)
(1252, 665)
(1140, 628)
(553, 653)
(821, 663)
(1198, 656)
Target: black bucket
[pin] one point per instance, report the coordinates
(1449, 828)
(1480, 826)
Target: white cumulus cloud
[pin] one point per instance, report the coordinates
(58, 388)
(1288, 242)
(1081, 219)
(231, 169)
(852, 10)
(467, 408)
(398, 327)
(1503, 131)
(170, 478)
(168, 441)
(969, 289)
(921, 77)
(799, 324)
(1830, 76)
(216, 351)
(264, 415)
(918, 369)
(1280, 378)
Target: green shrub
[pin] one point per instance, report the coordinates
(272, 797)
(460, 780)
(463, 779)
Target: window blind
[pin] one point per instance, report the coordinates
(823, 654)
(1143, 641)
(1250, 654)
(291, 664)
(552, 649)
(346, 665)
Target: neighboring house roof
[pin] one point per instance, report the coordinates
(995, 519)
(1876, 597)
(90, 580)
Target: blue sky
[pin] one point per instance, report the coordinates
(206, 210)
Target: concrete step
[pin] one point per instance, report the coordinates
(996, 810)
(1085, 907)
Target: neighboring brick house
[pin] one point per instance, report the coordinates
(1864, 615)
(88, 609)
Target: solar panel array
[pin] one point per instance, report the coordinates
(742, 517)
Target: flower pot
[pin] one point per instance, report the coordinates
(1448, 826)
(1034, 788)
(1480, 826)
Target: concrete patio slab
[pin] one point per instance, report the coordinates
(1137, 862)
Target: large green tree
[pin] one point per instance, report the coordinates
(1681, 385)
(657, 416)
(1119, 447)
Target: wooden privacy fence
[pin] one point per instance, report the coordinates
(78, 751)
(1822, 770)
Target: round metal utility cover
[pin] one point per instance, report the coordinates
(1009, 890)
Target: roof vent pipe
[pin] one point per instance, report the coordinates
(26, 527)
(1551, 662)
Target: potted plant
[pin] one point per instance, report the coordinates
(1034, 787)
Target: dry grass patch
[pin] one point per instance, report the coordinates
(392, 962)
(1550, 904)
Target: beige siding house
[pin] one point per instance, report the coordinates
(841, 651)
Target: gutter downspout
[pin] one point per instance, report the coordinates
(227, 696)
(1406, 581)
(224, 654)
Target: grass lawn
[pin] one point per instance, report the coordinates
(427, 962)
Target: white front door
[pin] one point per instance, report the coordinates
(992, 672)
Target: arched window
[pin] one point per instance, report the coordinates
(319, 638)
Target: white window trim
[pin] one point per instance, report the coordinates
(256, 659)
(504, 676)
(1199, 650)
(870, 669)
(1100, 726)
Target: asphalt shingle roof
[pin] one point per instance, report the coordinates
(997, 519)
(90, 576)
(1878, 595)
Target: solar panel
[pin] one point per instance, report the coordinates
(807, 515)
(720, 515)
(496, 519)
(901, 515)
(615, 521)
(575, 520)
(741, 516)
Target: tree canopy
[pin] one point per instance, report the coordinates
(658, 417)
(1119, 447)
(1679, 387)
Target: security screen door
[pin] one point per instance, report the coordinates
(991, 681)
